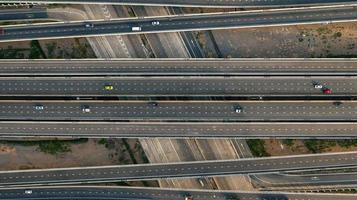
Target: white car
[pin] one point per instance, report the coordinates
(89, 25)
(155, 23)
(28, 191)
(318, 86)
(39, 107)
(86, 109)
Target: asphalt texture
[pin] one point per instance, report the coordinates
(181, 23)
(175, 170)
(183, 67)
(180, 110)
(140, 193)
(200, 3)
(343, 130)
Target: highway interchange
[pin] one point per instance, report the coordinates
(144, 193)
(192, 3)
(179, 67)
(181, 23)
(178, 86)
(245, 130)
(291, 78)
(177, 170)
(180, 110)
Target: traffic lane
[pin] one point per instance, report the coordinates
(200, 3)
(179, 110)
(175, 170)
(90, 192)
(180, 23)
(178, 86)
(23, 14)
(287, 180)
(179, 66)
(179, 130)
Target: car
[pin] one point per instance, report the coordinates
(327, 91)
(337, 103)
(28, 191)
(153, 104)
(89, 25)
(188, 197)
(155, 23)
(108, 87)
(318, 86)
(39, 107)
(86, 108)
(238, 109)
(2, 31)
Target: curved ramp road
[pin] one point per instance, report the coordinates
(176, 170)
(178, 86)
(144, 193)
(195, 3)
(178, 130)
(178, 67)
(180, 110)
(181, 23)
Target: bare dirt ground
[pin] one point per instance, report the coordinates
(333, 40)
(67, 48)
(61, 48)
(91, 153)
(279, 148)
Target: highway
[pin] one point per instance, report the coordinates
(180, 110)
(243, 130)
(181, 23)
(178, 67)
(178, 170)
(242, 86)
(194, 3)
(23, 14)
(144, 193)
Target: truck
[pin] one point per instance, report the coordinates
(136, 28)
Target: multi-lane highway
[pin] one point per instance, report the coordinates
(178, 67)
(179, 86)
(181, 23)
(194, 3)
(176, 170)
(23, 14)
(141, 193)
(297, 130)
(180, 110)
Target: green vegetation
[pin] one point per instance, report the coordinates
(288, 142)
(317, 146)
(337, 35)
(257, 148)
(53, 147)
(36, 50)
(323, 30)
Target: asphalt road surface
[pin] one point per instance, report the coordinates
(181, 23)
(178, 130)
(176, 170)
(200, 3)
(182, 67)
(23, 14)
(178, 86)
(141, 193)
(180, 110)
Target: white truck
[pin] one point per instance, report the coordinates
(136, 28)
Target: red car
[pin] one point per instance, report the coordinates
(2, 31)
(188, 197)
(327, 91)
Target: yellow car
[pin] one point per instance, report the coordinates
(108, 87)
